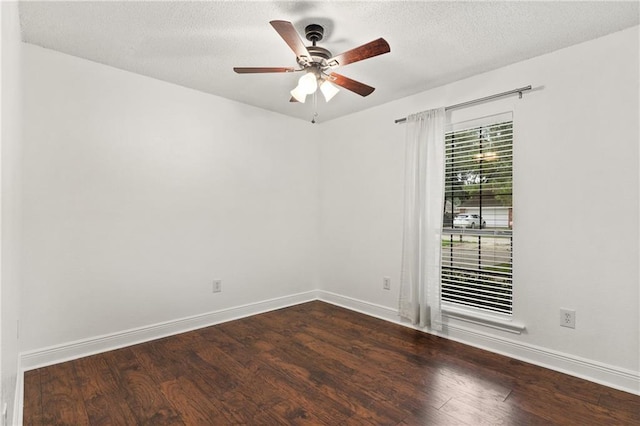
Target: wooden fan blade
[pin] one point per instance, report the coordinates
(369, 50)
(253, 70)
(291, 37)
(349, 84)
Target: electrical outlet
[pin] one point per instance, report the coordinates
(217, 286)
(386, 283)
(567, 318)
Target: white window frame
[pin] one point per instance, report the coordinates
(473, 314)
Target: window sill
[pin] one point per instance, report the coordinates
(483, 320)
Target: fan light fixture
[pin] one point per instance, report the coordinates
(298, 94)
(308, 84)
(329, 90)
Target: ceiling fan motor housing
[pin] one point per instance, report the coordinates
(319, 52)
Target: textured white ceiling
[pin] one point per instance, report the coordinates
(196, 44)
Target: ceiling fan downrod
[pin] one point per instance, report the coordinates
(314, 33)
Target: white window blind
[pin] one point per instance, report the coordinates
(477, 238)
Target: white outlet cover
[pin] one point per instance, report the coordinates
(567, 318)
(386, 283)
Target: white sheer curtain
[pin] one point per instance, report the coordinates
(424, 198)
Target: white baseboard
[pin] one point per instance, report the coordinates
(361, 306)
(607, 375)
(85, 347)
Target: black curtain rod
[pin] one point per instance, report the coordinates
(476, 101)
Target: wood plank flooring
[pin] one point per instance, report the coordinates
(317, 364)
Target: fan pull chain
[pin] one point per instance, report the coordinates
(315, 107)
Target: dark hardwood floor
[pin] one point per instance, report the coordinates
(314, 363)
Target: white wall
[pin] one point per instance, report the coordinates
(576, 231)
(138, 193)
(10, 152)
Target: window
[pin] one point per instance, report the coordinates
(477, 236)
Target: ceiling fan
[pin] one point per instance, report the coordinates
(318, 63)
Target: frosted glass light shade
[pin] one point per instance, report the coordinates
(299, 94)
(329, 90)
(308, 83)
